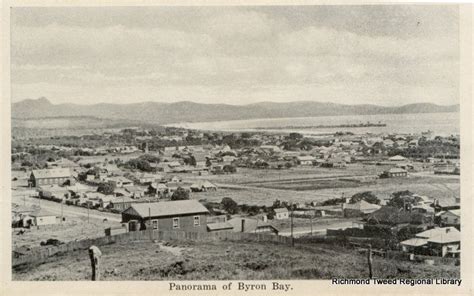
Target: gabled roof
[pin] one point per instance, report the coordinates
(362, 206)
(306, 158)
(167, 208)
(281, 210)
(397, 157)
(435, 232)
(415, 242)
(42, 213)
(203, 183)
(52, 173)
(394, 216)
(444, 238)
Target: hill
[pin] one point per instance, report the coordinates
(226, 260)
(185, 111)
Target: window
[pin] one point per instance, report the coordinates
(154, 224)
(175, 223)
(197, 221)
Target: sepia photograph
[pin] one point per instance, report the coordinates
(257, 143)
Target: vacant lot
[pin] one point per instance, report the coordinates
(74, 228)
(226, 260)
(311, 190)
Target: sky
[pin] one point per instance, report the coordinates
(385, 55)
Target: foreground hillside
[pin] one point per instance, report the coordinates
(225, 260)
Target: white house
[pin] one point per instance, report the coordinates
(281, 213)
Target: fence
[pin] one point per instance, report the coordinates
(41, 254)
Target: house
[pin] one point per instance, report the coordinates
(136, 192)
(43, 217)
(281, 213)
(157, 189)
(58, 176)
(335, 162)
(437, 241)
(121, 204)
(271, 148)
(397, 158)
(305, 160)
(21, 215)
(358, 209)
(252, 226)
(449, 218)
(394, 173)
(202, 185)
(180, 215)
(144, 178)
(393, 217)
(119, 181)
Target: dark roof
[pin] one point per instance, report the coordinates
(219, 226)
(393, 216)
(250, 225)
(167, 208)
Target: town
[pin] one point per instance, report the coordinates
(396, 195)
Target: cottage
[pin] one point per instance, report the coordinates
(119, 181)
(58, 176)
(305, 160)
(394, 173)
(450, 218)
(281, 213)
(181, 215)
(397, 158)
(43, 217)
(335, 162)
(358, 209)
(201, 185)
(252, 226)
(437, 241)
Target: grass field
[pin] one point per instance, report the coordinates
(226, 260)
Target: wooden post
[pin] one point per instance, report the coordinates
(94, 255)
(292, 237)
(369, 260)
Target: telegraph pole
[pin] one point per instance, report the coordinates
(291, 219)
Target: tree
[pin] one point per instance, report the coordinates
(208, 162)
(106, 188)
(229, 205)
(180, 194)
(367, 196)
(229, 169)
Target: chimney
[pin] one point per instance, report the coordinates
(447, 229)
(243, 225)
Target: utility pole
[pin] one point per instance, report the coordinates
(311, 223)
(62, 217)
(291, 221)
(87, 211)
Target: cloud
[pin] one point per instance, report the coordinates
(235, 54)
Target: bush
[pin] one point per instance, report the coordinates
(180, 194)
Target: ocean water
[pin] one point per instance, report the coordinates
(439, 123)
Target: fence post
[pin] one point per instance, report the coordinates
(369, 260)
(94, 255)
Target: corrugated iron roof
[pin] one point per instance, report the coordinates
(167, 208)
(52, 173)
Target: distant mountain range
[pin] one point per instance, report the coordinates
(165, 113)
